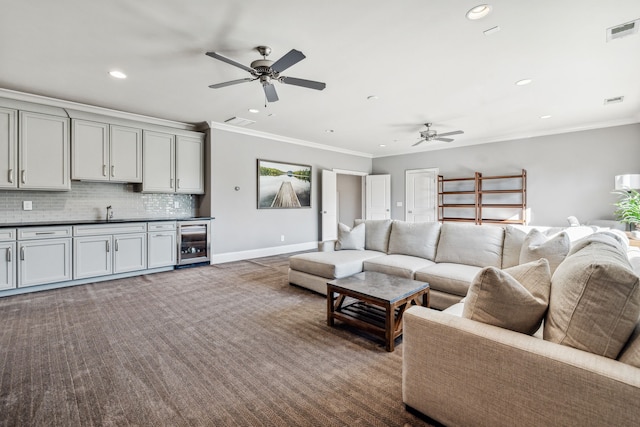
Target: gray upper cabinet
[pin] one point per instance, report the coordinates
(189, 165)
(103, 152)
(43, 145)
(8, 148)
(173, 164)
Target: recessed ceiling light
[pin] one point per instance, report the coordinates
(546, 116)
(382, 145)
(479, 12)
(372, 97)
(253, 110)
(329, 130)
(523, 82)
(117, 74)
(271, 115)
(613, 100)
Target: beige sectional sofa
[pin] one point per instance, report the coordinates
(447, 256)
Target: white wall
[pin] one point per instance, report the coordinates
(240, 230)
(567, 174)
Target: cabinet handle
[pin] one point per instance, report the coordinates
(104, 170)
(108, 247)
(178, 183)
(116, 245)
(10, 176)
(21, 253)
(113, 170)
(24, 176)
(40, 233)
(171, 183)
(9, 255)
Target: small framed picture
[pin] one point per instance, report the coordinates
(283, 185)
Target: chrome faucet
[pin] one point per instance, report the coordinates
(109, 212)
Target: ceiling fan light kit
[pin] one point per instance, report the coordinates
(268, 71)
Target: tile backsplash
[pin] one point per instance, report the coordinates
(89, 201)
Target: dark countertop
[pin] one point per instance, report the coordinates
(98, 221)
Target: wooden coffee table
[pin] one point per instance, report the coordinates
(381, 300)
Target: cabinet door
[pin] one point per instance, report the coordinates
(89, 150)
(126, 154)
(44, 261)
(43, 143)
(130, 252)
(158, 162)
(8, 149)
(92, 256)
(7, 265)
(162, 249)
(189, 165)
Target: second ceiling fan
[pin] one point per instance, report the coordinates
(268, 71)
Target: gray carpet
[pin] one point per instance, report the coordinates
(232, 344)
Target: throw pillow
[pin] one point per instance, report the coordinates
(377, 234)
(350, 238)
(595, 300)
(536, 245)
(515, 298)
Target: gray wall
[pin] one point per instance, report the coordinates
(349, 198)
(239, 225)
(567, 174)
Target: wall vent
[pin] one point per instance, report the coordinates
(614, 100)
(623, 30)
(239, 121)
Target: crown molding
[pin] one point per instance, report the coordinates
(266, 135)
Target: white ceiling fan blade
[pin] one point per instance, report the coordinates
(419, 142)
(456, 132)
(291, 58)
(444, 139)
(230, 61)
(232, 82)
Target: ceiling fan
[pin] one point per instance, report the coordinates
(433, 135)
(267, 71)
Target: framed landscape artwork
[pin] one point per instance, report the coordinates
(283, 185)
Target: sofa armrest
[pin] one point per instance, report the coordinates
(462, 372)
(327, 246)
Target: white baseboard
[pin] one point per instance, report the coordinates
(258, 253)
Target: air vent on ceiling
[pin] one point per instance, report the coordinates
(623, 30)
(239, 121)
(614, 100)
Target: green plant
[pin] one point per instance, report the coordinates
(628, 207)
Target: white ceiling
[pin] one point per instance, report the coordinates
(422, 58)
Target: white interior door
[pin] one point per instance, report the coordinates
(378, 197)
(329, 212)
(421, 194)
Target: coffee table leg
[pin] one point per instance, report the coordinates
(389, 327)
(330, 306)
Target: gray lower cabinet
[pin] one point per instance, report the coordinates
(161, 244)
(105, 249)
(43, 255)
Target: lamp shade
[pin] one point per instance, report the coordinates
(628, 181)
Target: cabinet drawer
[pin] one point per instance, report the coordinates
(101, 229)
(7, 234)
(43, 232)
(162, 226)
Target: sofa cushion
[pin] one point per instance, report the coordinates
(377, 233)
(447, 277)
(536, 245)
(630, 354)
(515, 298)
(332, 265)
(414, 238)
(595, 298)
(397, 265)
(478, 245)
(350, 238)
